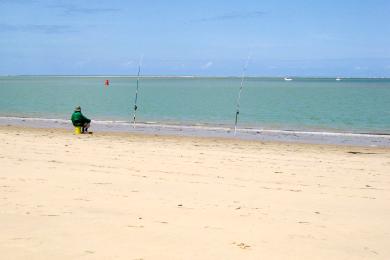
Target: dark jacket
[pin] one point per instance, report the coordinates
(79, 119)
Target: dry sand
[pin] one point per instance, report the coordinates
(118, 196)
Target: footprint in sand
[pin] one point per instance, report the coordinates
(242, 245)
(132, 226)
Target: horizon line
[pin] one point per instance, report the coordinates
(190, 76)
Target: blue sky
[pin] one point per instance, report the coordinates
(295, 38)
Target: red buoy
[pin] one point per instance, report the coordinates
(107, 83)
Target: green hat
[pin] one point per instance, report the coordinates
(78, 108)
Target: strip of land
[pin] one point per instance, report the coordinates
(122, 196)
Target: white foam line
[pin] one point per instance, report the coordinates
(34, 119)
(154, 124)
(316, 133)
(205, 128)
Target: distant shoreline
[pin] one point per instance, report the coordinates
(194, 76)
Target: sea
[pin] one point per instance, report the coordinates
(347, 106)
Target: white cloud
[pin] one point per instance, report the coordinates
(360, 68)
(128, 63)
(207, 65)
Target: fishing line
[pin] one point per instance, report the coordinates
(239, 94)
(136, 91)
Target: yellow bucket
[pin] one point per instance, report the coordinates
(77, 130)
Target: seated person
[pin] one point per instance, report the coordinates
(79, 119)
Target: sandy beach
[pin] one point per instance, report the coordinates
(133, 196)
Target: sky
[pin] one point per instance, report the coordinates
(349, 38)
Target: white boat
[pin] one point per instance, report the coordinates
(338, 79)
(287, 79)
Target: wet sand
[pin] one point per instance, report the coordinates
(133, 196)
(214, 131)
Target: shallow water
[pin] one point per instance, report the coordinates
(349, 105)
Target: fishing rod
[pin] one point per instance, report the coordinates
(136, 92)
(239, 94)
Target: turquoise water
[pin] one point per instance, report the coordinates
(353, 105)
